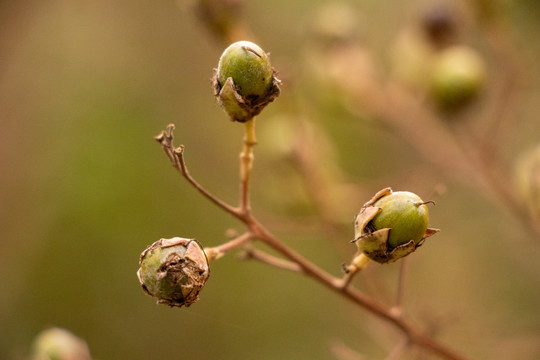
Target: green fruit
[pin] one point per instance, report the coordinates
(248, 66)
(405, 214)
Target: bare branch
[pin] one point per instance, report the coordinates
(176, 156)
(256, 254)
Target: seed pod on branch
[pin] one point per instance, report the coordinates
(244, 82)
(174, 271)
(392, 225)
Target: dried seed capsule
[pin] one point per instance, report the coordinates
(392, 225)
(174, 271)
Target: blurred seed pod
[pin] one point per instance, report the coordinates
(334, 23)
(59, 344)
(457, 77)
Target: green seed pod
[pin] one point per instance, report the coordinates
(392, 225)
(174, 271)
(59, 344)
(457, 77)
(248, 66)
(405, 214)
(244, 82)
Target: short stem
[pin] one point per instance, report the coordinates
(217, 252)
(358, 263)
(246, 164)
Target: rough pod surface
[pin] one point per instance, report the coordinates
(392, 225)
(174, 271)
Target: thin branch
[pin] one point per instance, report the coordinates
(398, 307)
(351, 293)
(358, 264)
(217, 252)
(398, 351)
(256, 254)
(176, 156)
(343, 352)
(246, 164)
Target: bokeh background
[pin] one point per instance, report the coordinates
(84, 188)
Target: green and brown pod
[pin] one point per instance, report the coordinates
(244, 81)
(174, 271)
(392, 225)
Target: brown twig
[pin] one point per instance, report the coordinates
(256, 254)
(217, 252)
(246, 163)
(176, 156)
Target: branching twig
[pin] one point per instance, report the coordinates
(257, 231)
(176, 155)
(253, 253)
(217, 252)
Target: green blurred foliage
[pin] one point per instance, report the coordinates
(84, 85)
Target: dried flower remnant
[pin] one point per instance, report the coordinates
(174, 271)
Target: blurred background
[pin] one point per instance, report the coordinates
(84, 187)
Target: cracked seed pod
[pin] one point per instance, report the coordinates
(174, 271)
(244, 82)
(392, 225)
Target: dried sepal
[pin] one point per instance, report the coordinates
(174, 271)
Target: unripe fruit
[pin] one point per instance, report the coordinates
(457, 77)
(174, 271)
(391, 225)
(248, 66)
(405, 214)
